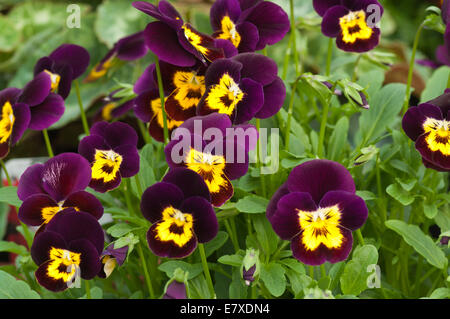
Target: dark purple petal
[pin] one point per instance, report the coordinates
(169, 248)
(85, 202)
(251, 103)
(272, 23)
(130, 160)
(115, 134)
(272, 206)
(188, 181)
(220, 67)
(101, 186)
(119, 254)
(414, 118)
(142, 108)
(163, 41)
(158, 197)
(362, 5)
(47, 113)
(330, 22)
(199, 124)
(228, 48)
(249, 36)
(30, 212)
(58, 178)
(88, 146)
(42, 64)
(222, 8)
(274, 96)
(65, 84)
(48, 282)
(247, 4)
(73, 55)
(431, 165)
(146, 81)
(321, 6)
(319, 176)
(205, 220)
(42, 243)
(341, 253)
(175, 290)
(22, 117)
(30, 182)
(37, 90)
(442, 55)
(352, 208)
(443, 102)
(9, 95)
(285, 221)
(308, 257)
(236, 158)
(164, 12)
(90, 258)
(73, 225)
(359, 45)
(257, 67)
(436, 158)
(122, 109)
(132, 47)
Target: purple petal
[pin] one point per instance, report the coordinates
(30, 212)
(205, 220)
(414, 118)
(321, 6)
(85, 202)
(90, 258)
(274, 96)
(73, 55)
(175, 290)
(251, 103)
(257, 67)
(222, 8)
(132, 47)
(22, 117)
(30, 182)
(89, 144)
(130, 160)
(228, 48)
(37, 90)
(42, 243)
(9, 95)
(158, 197)
(47, 113)
(220, 67)
(272, 206)
(146, 81)
(249, 36)
(188, 181)
(169, 248)
(330, 23)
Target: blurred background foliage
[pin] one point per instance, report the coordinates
(31, 29)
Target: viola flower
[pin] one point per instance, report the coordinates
(110, 108)
(129, 48)
(110, 258)
(218, 162)
(14, 120)
(351, 22)
(68, 249)
(181, 213)
(317, 210)
(249, 25)
(111, 149)
(63, 65)
(243, 87)
(173, 40)
(47, 189)
(184, 87)
(175, 290)
(428, 125)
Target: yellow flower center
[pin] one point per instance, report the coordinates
(438, 138)
(190, 88)
(64, 264)
(55, 79)
(106, 165)
(321, 227)
(7, 122)
(155, 105)
(176, 226)
(229, 31)
(354, 27)
(224, 96)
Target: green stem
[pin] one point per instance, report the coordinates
(411, 68)
(311, 271)
(360, 237)
(323, 271)
(88, 289)
(47, 143)
(161, 96)
(201, 250)
(82, 112)
(231, 234)
(329, 56)
(128, 198)
(287, 58)
(294, 44)
(138, 184)
(287, 132)
(355, 68)
(8, 178)
(144, 132)
(146, 274)
(258, 155)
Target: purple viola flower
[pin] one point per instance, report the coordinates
(47, 189)
(63, 65)
(217, 160)
(68, 249)
(173, 40)
(249, 25)
(109, 107)
(175, 290)
(179, 208)
(110, 258)
(428, 125)
(243, 87)
(351, 22)
(184, 87)
(15, 118)
(129, 48)
(111, 149)
(317, 210)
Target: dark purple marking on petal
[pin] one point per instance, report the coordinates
(169, 248)
(90, 264)
(414, 118)
(52, 284)
(158, 197)
(360, 45)
(30, 212)
(436, 158)
(42, 244)
(206, 225)
(220, 67)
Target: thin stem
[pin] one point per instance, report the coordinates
(138, 184)
(355, 68)
(128, 198)
(411, 68)
(329, 56)
(258, 155)
(311, 271)
(360, 237)
(231, 234)
(289, 116)
(146, 274)
(161, 96)
(323, 271)
(82, 113)
(287, 57)
(47, 143)
(201, 250)
(144, 132)
(294, 44)
(8, 178)
(88, 289)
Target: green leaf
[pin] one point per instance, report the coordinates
(252, 204)
(421, 243)
(354, 278)
(216, 243)
(366, 195)
(8, 195)
(338, 139)
(146, 173)
(96, 293)
(436, 84)
(384, 108)
(440, 293)
(273, 276)
(11, 288)
(4, 211)
(398, 193)
(265, 235)
(170, 266)
(10, 36)
(293, 264)
(430, 210)
(232, 260)
(120, 229)
(237, 289)
(12, 247)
